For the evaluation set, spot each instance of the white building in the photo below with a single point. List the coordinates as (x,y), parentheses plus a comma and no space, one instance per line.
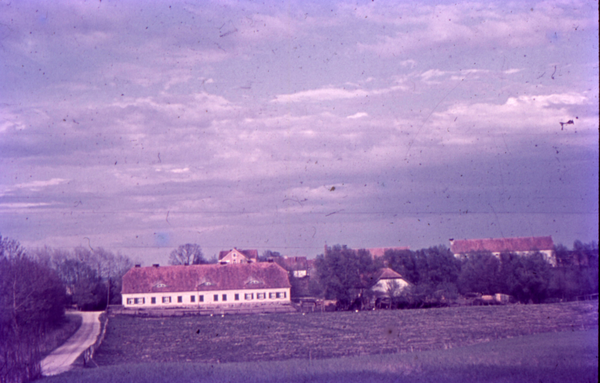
(389,281)
(203,285)
(238,256)
(497,246)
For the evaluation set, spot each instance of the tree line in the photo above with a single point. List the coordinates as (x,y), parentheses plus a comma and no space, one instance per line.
(35,288)
(436,277)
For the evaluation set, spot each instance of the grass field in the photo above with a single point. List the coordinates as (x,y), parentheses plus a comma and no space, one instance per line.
(569,356)
(248,338)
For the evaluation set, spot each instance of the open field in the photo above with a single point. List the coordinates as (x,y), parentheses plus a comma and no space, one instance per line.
(248,338)
(569,356)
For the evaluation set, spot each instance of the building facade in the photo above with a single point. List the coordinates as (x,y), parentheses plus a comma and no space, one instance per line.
(238,256)
(497,246)
(388,282)
(205,285)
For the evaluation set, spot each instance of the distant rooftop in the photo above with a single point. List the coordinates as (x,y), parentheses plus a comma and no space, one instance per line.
(499,245)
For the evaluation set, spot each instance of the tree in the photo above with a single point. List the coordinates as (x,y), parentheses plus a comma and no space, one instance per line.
(480,273)
(340,273)
(403,262)
(188,254)
(32,300)
(526,277)
(268,254)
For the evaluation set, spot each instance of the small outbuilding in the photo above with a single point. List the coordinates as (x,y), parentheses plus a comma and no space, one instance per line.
(389,281)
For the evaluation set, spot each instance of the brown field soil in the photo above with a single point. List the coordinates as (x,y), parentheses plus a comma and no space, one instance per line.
(245,338)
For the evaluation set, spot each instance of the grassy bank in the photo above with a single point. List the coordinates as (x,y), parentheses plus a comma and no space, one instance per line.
(57,337)
(570,356)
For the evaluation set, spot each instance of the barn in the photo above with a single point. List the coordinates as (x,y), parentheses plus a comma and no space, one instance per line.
(497,246)
(389,281)
(192,286)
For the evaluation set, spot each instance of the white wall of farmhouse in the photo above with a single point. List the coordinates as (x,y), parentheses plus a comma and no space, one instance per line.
(548,255)
(383,285)
(206,298)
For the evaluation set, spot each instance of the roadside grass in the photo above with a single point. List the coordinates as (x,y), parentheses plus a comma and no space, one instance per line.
(57,337)
(272,337)
(569,356)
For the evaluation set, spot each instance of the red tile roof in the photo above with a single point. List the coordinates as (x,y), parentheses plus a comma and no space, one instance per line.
(250,254)
(387,273)
(241,276)
(498,245)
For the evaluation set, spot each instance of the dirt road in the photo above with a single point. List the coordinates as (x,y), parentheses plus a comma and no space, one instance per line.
(60,360)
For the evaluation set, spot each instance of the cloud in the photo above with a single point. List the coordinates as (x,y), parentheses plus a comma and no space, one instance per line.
(317,95)
(467,24)
(35,186)
(358,115)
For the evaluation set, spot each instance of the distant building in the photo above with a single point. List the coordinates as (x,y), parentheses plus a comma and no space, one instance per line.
(297,266)
(205,285)
(387,281)
(238,256)
(497,246)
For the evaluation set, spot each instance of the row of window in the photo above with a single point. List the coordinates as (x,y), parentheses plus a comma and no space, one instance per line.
(223,297)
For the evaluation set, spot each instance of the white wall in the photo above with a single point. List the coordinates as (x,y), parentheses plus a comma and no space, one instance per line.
(383,285)
(208,298)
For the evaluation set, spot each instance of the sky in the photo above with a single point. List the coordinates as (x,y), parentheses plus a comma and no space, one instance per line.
(140,126)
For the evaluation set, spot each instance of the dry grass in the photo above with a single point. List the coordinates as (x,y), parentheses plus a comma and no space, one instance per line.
(273,337)
(57,337)
(569,356)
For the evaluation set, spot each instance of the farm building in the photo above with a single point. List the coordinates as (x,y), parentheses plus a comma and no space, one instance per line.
(203,285)
(297,266)
(497,246)
(387,281)
(238,256)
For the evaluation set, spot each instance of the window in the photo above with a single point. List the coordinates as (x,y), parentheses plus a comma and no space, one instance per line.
(166,299)
(261,295)
(129,301)
(271,295)
(224,297)
(201,298)
(249,296)
(153,300)
(236,297)
(192,298)
(216,297)
(179,299)
(139,301)
(281,295)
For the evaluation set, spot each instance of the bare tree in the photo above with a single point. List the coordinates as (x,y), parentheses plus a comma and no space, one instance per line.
(32,300)
(188,254)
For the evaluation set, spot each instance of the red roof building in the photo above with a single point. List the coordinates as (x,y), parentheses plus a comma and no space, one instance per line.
(197,285)
(497,246)
(238,256)
(389,282)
